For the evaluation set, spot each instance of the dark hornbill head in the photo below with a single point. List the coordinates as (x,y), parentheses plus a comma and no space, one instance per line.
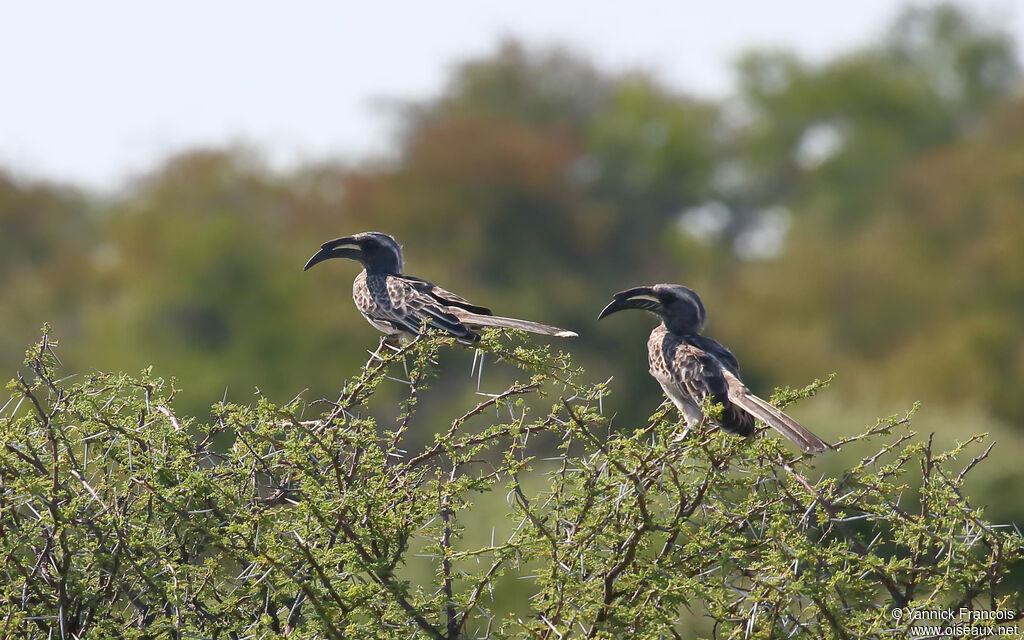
(679,307)
(377,252)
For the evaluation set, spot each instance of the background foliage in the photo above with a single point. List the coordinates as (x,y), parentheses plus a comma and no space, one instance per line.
(859,215)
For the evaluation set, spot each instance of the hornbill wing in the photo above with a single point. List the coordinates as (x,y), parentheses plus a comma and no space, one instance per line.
(740,396)
(411,307)
(708,368)
(700,375)
(477,316)
(716,349)
(443,296)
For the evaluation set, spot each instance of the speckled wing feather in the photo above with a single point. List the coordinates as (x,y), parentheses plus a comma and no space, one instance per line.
(701,375)
(695,368)
(691,375)
(477,317)
(409,303)
(391,302)
(444,296)
(744,406)
(400,303)
(716,349)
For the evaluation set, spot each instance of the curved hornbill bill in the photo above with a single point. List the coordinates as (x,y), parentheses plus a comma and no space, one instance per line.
(692,368)
(395,303)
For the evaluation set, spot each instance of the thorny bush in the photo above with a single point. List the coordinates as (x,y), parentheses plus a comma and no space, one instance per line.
(119,519)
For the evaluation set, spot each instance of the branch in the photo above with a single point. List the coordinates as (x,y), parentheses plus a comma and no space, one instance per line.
(851,538)
(439,447)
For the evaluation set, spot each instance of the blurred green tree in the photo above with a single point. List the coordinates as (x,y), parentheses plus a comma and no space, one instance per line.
(853,216)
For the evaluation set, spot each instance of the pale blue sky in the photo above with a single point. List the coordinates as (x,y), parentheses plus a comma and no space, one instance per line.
(92,92)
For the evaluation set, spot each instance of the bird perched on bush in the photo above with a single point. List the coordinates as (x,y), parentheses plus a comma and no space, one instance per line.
(693,369)
(395,303)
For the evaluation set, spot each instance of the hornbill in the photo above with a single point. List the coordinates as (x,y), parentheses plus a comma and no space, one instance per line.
(692,368)
(395,303)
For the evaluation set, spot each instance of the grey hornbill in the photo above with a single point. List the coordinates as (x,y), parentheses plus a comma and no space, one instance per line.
(692,368)
(396,303)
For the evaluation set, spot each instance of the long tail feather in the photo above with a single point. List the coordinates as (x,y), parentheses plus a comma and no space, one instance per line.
(476,320)
(779,421)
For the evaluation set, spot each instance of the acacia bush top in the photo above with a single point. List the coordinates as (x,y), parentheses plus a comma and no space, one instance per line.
(120,519)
